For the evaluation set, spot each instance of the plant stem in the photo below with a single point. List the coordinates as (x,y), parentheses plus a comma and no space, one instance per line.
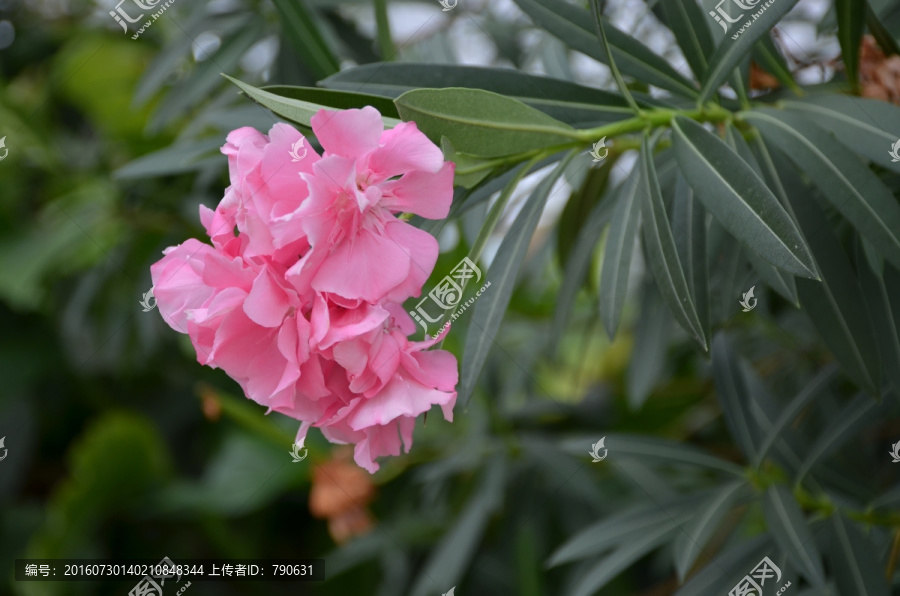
(383,28)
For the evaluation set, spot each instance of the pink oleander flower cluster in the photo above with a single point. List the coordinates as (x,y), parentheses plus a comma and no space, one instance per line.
(299,297)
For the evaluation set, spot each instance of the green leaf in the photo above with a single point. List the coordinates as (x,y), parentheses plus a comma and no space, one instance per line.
(810,392)
(851,20)
(739,199)
(869,127)
(490,308)
(448,560)
(304,34)
(882,36)
(690,26)
(736,44)
(175,159)
(581,202)
(651,341)
(617,530)
(840,177)
(855,560)
(480,122)
(470,169)
(577,266)
(788,526)
(662,255)
(845,426)
(295,110)
(564,100)
(643,446)
(342,100)
(880,293)
(689,230)
(624,556)
(697,532)
(617,254)
(205,76)
(732,390)
(572,25)
(770,59)
(833,305)
(727,568)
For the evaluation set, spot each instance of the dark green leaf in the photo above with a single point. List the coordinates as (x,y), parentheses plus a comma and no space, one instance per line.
(617,254)
(619,530)
(490,308)
(834,304)
(563,100)
(848,184)
(736,44)
(806,396)
(691,29)
(651,341)
(689,229)
(295,110)
(577,265)
(649,447)
(869,127)
(884,312)
(732,390)
(342,100)
(770,59)
(662,256)
(787,524)
(480,122)
(697,532)
(449,559)
(855,561)
(304,33)
(728,568)
(845,426)
(851,20)
(205,76)
(573,25)
(739,199)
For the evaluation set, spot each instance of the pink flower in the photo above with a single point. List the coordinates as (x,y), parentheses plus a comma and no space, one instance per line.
(266,191)
(360,250)
(299,298)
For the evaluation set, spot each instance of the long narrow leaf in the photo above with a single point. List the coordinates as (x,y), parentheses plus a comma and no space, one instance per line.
(788,525)
(741,34)
(739,199)
(617,254)
(662,255)
(489,310)
(572,25)
(848,184)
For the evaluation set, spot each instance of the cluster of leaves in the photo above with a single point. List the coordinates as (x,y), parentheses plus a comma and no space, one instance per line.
(731,436)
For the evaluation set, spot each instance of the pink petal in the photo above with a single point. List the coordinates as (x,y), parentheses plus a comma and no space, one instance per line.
(366,266)
(423,193)
(404,148)
(350,133)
